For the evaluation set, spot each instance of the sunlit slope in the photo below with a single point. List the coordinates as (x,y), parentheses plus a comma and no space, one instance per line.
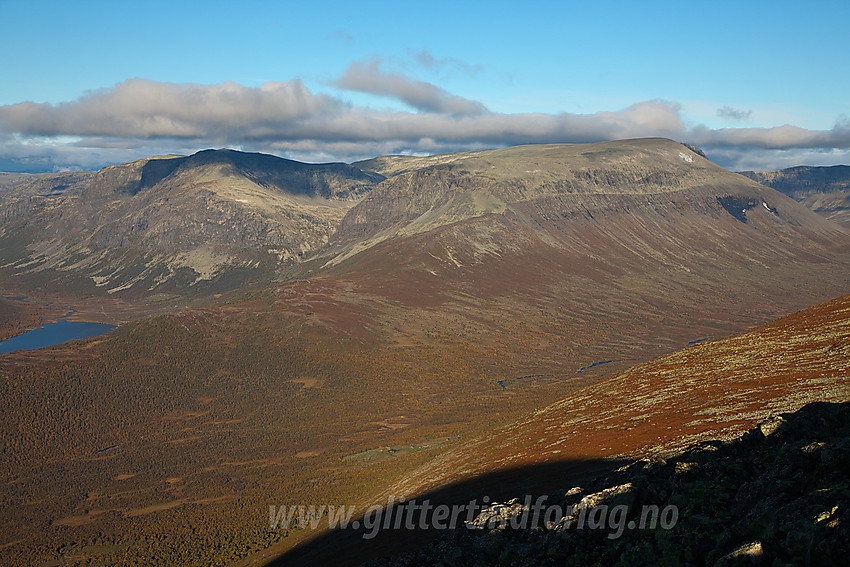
(711,389)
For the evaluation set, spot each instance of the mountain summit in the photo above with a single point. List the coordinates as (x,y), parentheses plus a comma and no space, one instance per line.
(543,186)
(169,223)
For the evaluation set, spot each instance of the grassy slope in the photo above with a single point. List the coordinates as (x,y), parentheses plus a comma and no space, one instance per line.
(711,390)
(708,389)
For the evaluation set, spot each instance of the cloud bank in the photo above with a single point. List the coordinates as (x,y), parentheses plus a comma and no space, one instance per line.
(140,117)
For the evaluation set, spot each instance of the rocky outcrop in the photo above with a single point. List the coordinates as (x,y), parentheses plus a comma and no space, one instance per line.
(24,195)
(779,494)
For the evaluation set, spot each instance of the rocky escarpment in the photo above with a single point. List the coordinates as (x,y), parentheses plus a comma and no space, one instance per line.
(777,495)
(825,190)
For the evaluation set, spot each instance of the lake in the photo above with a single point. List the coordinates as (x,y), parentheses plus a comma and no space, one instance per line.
(53,334)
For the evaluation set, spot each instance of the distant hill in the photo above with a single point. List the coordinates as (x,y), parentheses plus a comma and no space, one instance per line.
(541,186)
(208,223)
(825,190)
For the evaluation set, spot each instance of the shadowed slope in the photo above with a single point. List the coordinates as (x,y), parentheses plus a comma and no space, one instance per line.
(777,495)
(415,529)
(711,390)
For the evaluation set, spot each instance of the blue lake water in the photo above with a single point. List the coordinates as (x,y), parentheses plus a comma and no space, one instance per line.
(53,334)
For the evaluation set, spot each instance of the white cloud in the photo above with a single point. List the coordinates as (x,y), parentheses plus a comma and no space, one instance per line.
(139,108)
(760,159)
(426,97)
(142,117)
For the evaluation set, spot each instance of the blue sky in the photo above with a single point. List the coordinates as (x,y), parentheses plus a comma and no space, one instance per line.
(757,84)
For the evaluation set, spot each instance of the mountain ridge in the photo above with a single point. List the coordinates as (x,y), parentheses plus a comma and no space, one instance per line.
(568,180)
(286,211)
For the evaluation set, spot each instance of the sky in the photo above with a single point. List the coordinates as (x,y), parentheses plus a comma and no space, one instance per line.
(756,85)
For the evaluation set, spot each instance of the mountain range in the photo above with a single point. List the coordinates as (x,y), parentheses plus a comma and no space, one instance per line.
(299,333)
